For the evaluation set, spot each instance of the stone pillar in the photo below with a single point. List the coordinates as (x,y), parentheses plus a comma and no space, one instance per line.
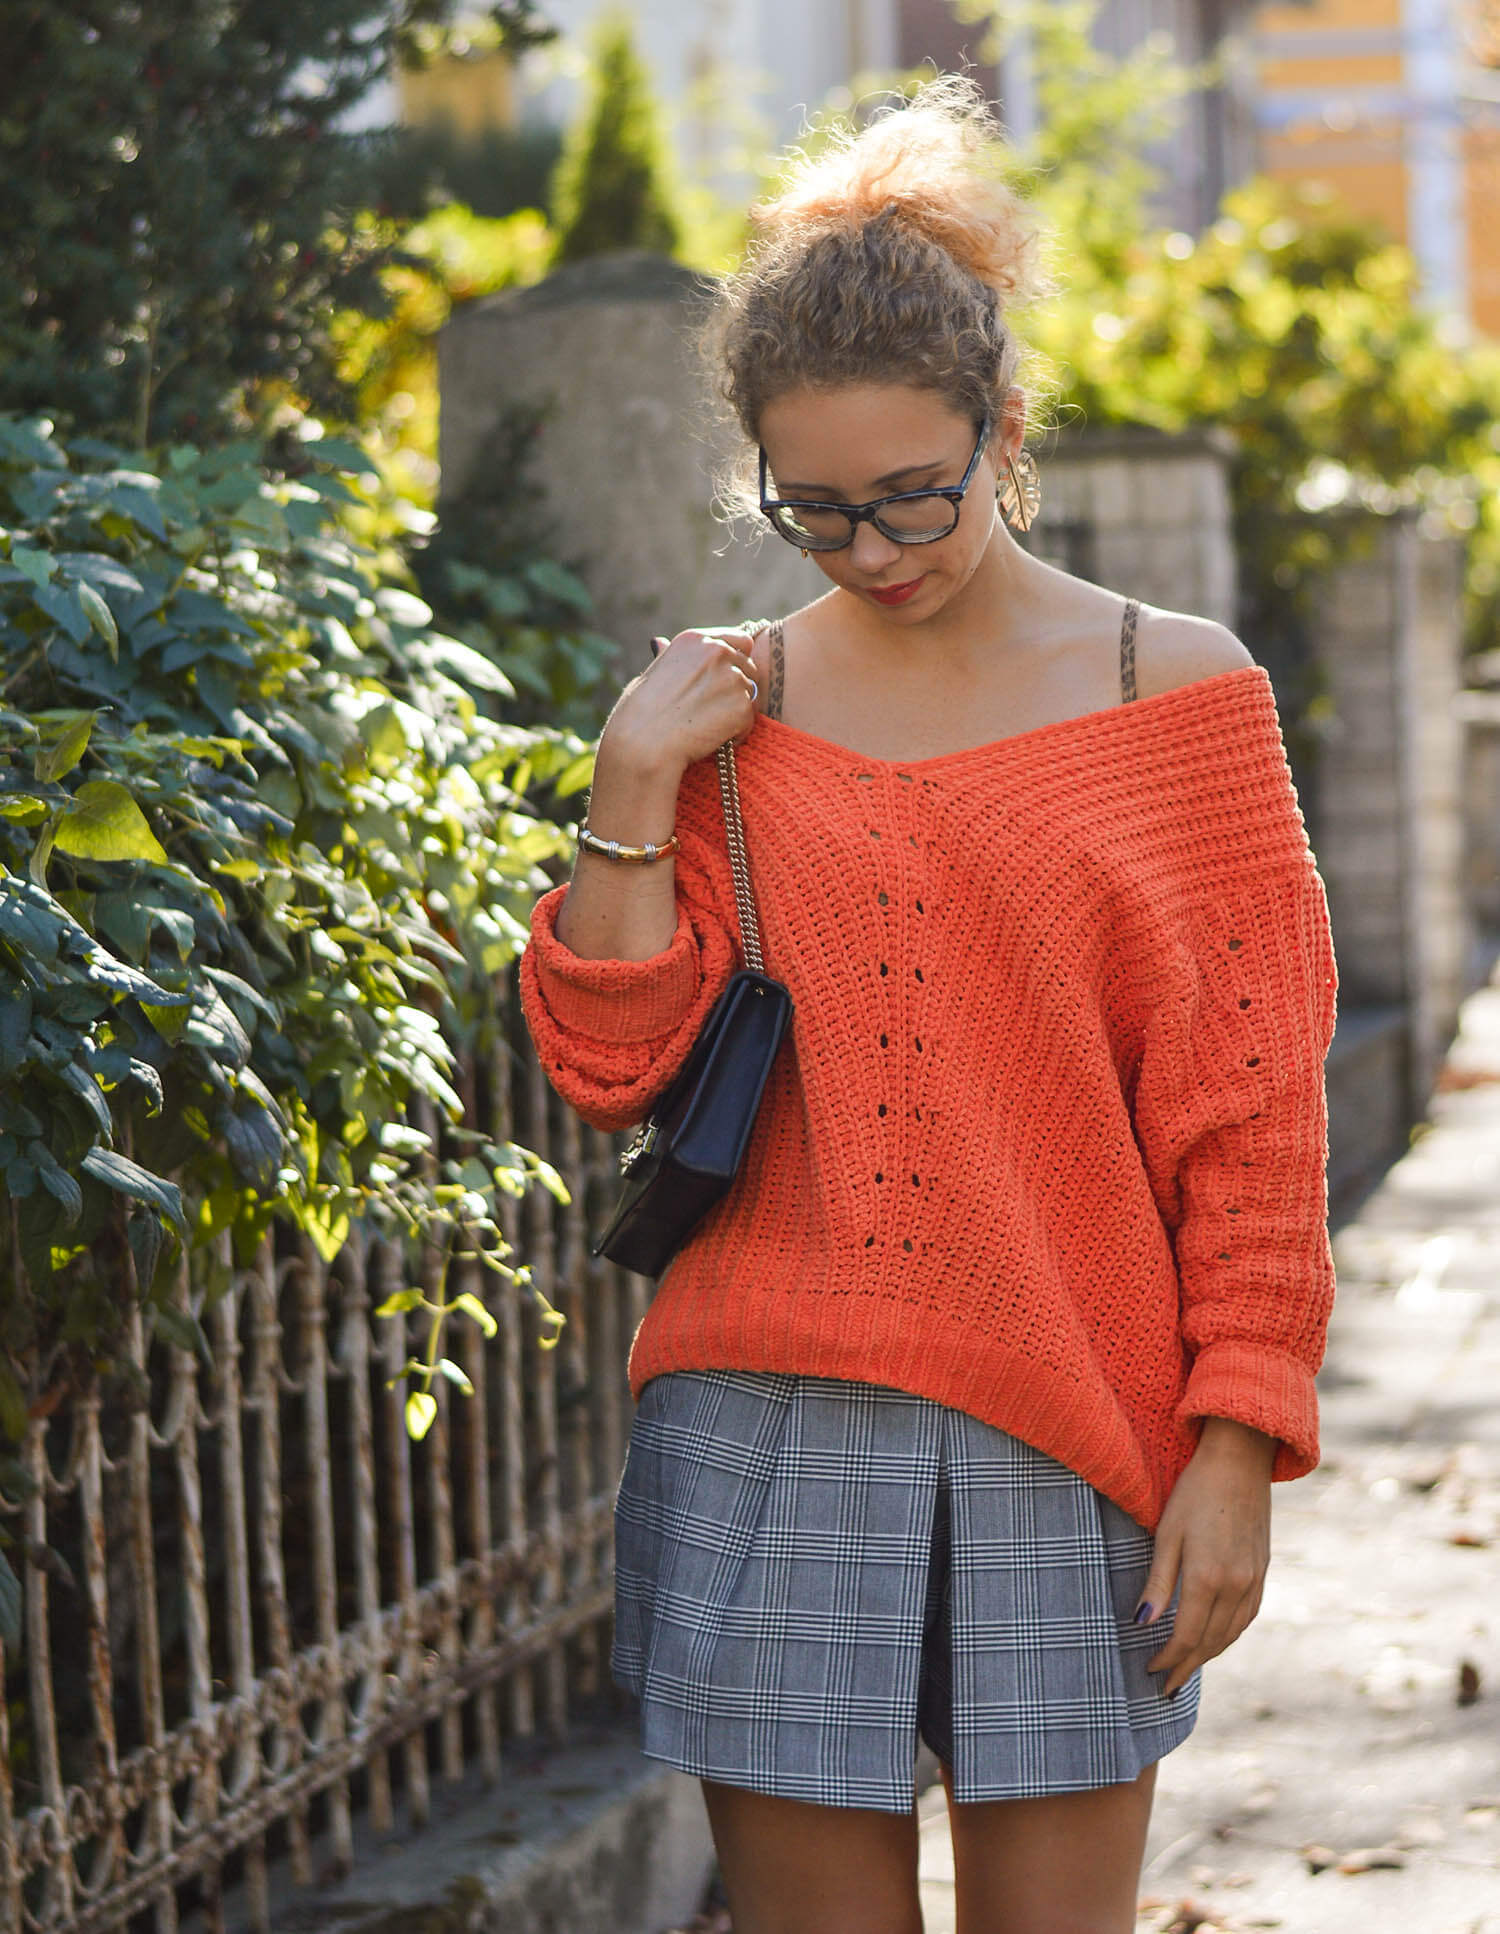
(1391,839)
(623,460)
(1147,514)
(1480,711)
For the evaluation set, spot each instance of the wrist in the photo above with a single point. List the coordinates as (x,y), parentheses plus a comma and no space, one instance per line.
(1227,1437)
(629,801)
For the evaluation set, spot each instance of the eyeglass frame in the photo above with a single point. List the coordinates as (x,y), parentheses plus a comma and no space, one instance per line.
(858,514)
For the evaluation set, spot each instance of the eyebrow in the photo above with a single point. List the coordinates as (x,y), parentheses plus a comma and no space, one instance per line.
(881,483)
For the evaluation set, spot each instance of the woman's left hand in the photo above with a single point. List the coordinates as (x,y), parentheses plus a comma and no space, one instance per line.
(1216,1533)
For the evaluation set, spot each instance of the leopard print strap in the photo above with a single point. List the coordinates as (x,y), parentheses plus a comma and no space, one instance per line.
(778,672)
(1127,651)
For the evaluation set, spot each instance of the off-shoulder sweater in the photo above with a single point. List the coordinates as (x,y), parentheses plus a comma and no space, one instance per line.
(1047,1141)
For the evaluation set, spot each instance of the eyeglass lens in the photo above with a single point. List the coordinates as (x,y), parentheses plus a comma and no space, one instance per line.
(914,520)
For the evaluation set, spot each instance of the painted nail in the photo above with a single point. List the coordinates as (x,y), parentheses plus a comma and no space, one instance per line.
(1143,1611)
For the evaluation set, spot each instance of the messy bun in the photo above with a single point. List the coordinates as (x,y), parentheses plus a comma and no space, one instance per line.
(891,255)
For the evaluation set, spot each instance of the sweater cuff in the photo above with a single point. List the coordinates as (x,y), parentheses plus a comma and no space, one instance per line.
(613,1000)
(1264,1388)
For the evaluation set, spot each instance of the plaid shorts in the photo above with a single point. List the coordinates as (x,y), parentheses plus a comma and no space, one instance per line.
(811,1572)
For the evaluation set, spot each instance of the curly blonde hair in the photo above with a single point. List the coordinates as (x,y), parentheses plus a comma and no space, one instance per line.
(889,256)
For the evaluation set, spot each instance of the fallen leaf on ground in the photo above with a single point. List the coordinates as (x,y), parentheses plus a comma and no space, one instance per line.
(1317,1857)
(1191,1917)
(1363,1860)
(1468,1539)
(1468,1682)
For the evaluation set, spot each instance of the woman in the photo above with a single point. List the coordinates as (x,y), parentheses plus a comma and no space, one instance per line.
(958,1417)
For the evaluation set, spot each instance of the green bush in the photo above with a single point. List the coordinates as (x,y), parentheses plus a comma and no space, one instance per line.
(176,195)
(262,852)
(1291,324)
(611,188)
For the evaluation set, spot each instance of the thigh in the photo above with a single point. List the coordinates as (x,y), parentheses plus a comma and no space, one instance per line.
(1068,1863)
(793,1867)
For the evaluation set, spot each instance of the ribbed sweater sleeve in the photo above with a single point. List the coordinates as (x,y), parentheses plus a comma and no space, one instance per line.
(1231,1114)
(612,1033)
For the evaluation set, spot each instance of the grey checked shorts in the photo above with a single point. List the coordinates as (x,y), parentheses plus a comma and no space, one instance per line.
(810,1572)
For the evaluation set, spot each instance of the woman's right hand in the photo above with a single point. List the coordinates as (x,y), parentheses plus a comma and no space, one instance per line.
(699,691)
(694,695)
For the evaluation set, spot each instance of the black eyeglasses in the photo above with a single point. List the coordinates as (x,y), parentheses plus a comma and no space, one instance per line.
(910,517)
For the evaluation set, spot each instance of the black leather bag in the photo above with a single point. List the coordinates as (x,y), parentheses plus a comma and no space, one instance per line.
(685,1155)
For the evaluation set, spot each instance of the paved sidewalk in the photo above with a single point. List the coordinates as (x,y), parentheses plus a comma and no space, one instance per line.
(1344,1775)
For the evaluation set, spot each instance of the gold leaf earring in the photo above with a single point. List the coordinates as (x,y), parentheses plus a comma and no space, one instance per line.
(1020,493)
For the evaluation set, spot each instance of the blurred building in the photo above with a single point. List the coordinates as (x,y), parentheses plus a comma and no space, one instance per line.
(1390,103)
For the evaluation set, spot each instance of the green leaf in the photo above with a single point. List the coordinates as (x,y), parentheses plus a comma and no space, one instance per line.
(10,1607)
(339,454)
(100,616)
(65,607)
(36,565)
(117,1171)
(51,762)
(15,1027)
(254,1144)
(449,1369)
(57,1181)
(146,1242)
(462,662)
(181,1328)
(41,855)
(13,1413)
(554,582)
(105,823)
(399,1302)
(575,775)
(30,920)
(327,1229)
(23,808)
(470,1304)
(421,1412)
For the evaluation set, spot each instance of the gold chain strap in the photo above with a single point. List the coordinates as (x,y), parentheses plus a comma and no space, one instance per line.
(739,861)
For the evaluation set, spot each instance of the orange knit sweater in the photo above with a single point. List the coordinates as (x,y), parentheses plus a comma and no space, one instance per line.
(1048,1141)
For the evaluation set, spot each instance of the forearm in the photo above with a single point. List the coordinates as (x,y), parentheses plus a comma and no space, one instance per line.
(614,910)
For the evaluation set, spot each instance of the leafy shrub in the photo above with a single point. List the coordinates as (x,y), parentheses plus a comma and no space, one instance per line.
(175,193)
(262,851)
(611,188)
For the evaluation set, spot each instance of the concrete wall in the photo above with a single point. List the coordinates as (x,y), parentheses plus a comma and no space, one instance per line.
(1480,712)
(622,464)
(1391,818)
(1146,514)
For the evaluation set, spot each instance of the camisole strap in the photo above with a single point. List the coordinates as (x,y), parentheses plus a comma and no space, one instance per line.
(778,672)
(1127,651)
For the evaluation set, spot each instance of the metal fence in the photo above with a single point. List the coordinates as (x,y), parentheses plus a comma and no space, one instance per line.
(254,1608)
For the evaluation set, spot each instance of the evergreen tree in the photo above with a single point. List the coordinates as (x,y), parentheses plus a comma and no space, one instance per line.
(176,197)
(611,189)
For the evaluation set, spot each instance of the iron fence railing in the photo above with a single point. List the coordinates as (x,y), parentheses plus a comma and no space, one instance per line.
(254,1608)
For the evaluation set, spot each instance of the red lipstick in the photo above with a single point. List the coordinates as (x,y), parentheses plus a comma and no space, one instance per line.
(895,593)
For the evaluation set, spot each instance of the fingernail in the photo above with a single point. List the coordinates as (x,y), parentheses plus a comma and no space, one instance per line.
(1143,1612)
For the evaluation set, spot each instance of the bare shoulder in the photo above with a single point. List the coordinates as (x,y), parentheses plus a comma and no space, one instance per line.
(1174,648)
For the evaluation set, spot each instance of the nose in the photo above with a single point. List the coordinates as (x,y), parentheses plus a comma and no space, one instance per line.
(871,551)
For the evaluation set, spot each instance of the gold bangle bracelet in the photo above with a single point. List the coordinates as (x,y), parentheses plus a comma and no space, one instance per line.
(611,849)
